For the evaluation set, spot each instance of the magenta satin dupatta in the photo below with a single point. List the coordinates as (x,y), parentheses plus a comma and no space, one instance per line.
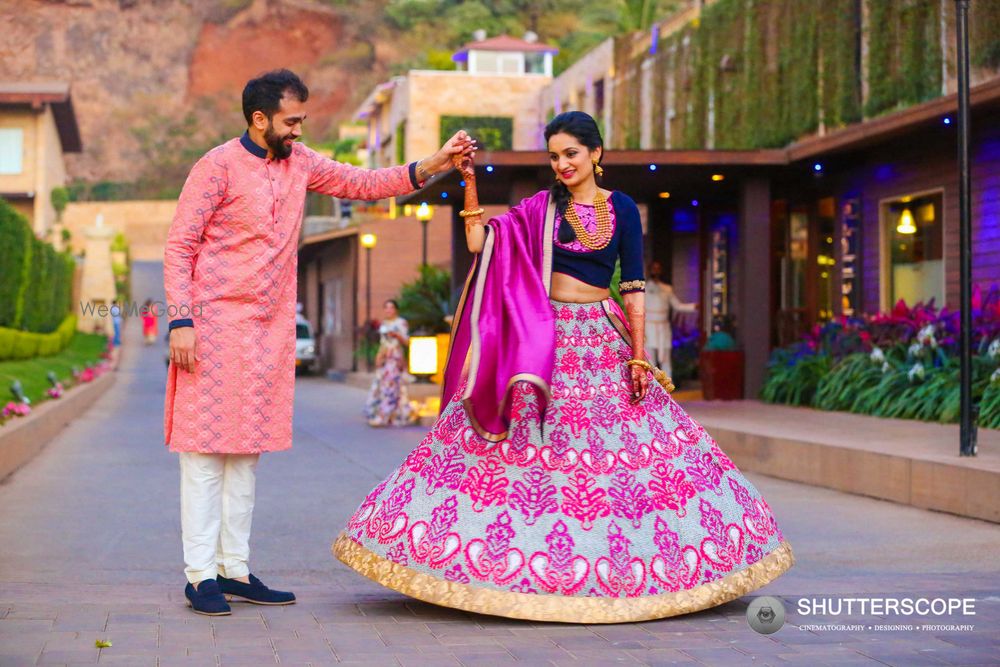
(504,329)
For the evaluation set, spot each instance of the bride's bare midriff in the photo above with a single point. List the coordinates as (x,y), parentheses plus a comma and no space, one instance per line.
(568,289)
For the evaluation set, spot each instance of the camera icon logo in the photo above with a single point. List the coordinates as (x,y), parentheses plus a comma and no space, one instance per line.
(766,615)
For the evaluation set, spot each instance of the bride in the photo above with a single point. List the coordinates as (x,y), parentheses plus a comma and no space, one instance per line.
(561,482)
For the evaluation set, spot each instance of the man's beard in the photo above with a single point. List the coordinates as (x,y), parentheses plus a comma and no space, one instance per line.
(276,143)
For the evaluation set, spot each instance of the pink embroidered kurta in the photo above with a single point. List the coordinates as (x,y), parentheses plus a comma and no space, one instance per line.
(230,265)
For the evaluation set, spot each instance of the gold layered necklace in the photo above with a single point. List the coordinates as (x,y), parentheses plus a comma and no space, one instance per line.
(602,235)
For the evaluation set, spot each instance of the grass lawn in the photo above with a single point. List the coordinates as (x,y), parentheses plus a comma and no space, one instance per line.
(83,349)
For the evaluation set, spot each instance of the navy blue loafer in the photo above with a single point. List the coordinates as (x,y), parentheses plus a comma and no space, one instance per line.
(207,599)
(255,592)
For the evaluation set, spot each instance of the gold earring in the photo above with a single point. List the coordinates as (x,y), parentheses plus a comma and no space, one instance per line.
(598,169)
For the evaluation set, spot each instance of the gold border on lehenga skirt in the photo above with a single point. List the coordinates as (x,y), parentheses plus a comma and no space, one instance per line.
(561,608)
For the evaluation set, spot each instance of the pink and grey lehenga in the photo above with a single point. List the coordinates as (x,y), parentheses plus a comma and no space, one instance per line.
(543,492)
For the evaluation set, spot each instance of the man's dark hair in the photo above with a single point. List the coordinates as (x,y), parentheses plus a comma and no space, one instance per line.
(265,92)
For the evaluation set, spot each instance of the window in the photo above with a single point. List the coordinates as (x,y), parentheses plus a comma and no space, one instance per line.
(534,63)
(913,250)
(599,105)
(496,62)
(796,260)
(11,150)
(486,62)
(511,63)
(826,262)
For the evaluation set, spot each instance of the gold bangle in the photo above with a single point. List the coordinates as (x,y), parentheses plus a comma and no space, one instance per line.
(641,363)
(658,374)
(632,285)
(469,214)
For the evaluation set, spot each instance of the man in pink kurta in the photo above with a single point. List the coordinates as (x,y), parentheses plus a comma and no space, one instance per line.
(230,278)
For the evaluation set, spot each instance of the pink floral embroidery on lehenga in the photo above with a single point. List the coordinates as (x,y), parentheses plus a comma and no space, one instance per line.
(594,496)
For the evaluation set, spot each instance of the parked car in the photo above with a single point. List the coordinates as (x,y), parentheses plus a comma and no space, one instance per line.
(305,347)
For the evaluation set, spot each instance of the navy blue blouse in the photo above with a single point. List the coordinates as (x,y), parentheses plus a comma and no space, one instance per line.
(595,267)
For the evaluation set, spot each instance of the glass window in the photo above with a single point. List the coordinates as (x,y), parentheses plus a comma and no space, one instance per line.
(510,64)
(914,230)
(534,63)
(850,244)
(11,150)
(825,258)
(487,62)
(797,259)
(302,331)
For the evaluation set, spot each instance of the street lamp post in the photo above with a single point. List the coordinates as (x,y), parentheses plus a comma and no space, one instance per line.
(368,242)
(967,437)
(424,215)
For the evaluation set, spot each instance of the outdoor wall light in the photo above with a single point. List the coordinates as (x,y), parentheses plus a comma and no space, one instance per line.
(664,195)
(368,241)
(947,120)
(817,167)
(489,168)
(906,225)
(423,355)
(694,202)
(444,195)
(652,167)
(424,212)
(718,177)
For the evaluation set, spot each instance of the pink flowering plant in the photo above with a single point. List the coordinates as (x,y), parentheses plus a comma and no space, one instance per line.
(902,364)
(14,409)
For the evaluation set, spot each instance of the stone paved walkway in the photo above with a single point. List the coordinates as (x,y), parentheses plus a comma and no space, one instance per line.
(90,549)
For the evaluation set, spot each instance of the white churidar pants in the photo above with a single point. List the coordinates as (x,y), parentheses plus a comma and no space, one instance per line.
(217,495)
(659,342)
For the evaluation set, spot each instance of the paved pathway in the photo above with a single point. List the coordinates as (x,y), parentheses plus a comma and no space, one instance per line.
(90,549)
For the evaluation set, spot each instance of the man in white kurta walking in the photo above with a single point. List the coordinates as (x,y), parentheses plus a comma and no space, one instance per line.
(661,303)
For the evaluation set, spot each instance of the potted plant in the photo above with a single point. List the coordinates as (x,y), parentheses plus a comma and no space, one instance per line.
(720,364)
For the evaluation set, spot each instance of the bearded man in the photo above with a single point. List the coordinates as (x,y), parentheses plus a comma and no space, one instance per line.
(230,278)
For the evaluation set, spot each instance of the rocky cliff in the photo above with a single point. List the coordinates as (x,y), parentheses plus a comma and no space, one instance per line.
(155,82)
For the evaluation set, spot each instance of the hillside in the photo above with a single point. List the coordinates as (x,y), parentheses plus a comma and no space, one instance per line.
(157,82)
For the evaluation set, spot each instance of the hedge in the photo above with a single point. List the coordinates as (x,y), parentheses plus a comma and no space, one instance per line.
(36,281)
(16,344)
(768,72)
(493,133)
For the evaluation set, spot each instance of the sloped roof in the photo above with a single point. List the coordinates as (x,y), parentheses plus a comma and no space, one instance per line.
(37,95)
(503,43)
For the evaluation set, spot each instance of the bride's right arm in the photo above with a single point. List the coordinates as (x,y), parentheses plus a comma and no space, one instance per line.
(475,236)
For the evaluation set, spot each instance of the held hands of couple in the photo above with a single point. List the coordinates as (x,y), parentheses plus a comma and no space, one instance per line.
(460,144)
(182,348)
(472,213)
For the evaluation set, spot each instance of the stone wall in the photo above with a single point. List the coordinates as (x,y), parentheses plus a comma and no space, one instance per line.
(144,223)
(433,94)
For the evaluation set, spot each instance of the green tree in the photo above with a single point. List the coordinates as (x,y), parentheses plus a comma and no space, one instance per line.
(424,303)
(635,15)
(59,197)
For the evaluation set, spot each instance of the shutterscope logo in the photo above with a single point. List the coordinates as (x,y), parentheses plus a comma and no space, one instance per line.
(886,606)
